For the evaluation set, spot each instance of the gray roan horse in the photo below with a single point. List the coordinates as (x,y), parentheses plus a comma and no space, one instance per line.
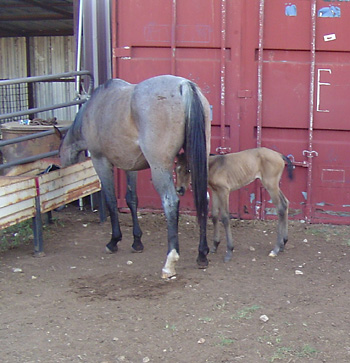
(135,127)
(233,171)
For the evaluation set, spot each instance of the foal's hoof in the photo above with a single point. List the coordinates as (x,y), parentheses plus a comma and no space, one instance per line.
(228,256)
(273,254)
(214,247)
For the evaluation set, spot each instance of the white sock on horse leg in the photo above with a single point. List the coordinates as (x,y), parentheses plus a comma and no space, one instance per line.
(169,267)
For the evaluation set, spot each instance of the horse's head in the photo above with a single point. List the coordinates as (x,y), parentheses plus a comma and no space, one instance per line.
(62,150)
(69,149)
(183,175)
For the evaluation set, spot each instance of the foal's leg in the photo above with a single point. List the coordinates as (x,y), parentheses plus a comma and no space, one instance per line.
(163,182)
(105,171)
(281,203)
(225,217)
(215,211)
(132,202)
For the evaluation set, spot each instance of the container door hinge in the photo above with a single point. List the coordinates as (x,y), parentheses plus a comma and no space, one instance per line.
(310,154)
(223,150)
(122,52)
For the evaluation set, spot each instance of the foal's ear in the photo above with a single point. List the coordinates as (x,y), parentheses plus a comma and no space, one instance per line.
(58,132)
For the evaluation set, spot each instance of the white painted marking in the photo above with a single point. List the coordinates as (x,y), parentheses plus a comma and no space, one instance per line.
(319,84)
(329,37)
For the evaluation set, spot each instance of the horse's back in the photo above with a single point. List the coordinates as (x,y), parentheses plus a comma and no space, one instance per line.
(158,109)
(109,102)
(158,101)
(137,125)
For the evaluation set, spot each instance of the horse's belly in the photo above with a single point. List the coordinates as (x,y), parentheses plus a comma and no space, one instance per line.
(127,161)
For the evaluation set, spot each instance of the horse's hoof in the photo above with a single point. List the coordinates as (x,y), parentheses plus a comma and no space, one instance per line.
(228,257)
(214,247)
(111,249)
(136,251)
(202,262)
(273,254)
(168,270)
(137,247)
(108,250)
(167,273)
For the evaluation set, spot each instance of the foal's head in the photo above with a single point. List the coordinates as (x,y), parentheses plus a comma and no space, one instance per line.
(183,175)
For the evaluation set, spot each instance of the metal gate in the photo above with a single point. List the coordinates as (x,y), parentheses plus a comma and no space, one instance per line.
(275,73)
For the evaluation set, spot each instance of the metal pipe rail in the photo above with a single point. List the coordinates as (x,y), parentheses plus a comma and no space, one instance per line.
(41,109)
(47,78)
(80,100)
(50,77)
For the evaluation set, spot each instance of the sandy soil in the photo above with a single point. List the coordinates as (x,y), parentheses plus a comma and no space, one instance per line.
(79,304)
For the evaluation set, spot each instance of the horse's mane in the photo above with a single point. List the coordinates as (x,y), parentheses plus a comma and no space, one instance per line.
(76,126)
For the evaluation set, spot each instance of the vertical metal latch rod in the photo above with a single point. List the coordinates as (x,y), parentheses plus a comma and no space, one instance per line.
(260,72)
(173,38)
(311,152)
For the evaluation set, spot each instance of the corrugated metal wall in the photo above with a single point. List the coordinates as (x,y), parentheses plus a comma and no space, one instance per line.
(51,55)
(13,58)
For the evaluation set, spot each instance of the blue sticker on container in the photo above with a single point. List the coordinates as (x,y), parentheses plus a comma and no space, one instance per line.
(291,10)
(329,12)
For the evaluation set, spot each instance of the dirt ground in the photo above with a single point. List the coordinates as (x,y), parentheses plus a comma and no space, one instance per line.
(79,304)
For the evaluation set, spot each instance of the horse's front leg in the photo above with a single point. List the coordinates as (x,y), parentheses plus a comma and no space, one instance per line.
(105,171)
(132,202)
(163,182)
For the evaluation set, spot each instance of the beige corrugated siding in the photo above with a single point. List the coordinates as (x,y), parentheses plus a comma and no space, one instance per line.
(12,58)
(53,55)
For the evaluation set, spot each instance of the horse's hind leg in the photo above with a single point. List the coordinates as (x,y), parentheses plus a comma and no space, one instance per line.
(163,182)
(220,206)
(281,203)
(132,202)
(104,170)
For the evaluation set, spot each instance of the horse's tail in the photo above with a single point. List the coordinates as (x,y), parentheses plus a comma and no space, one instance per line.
(290,167)
(195,147)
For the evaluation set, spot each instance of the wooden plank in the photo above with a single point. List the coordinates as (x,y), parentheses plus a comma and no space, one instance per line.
(72,195)
(67,185)
(17,200)
(59,187)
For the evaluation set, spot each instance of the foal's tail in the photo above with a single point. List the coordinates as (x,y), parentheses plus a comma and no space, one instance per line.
(290,167)
(196,149)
